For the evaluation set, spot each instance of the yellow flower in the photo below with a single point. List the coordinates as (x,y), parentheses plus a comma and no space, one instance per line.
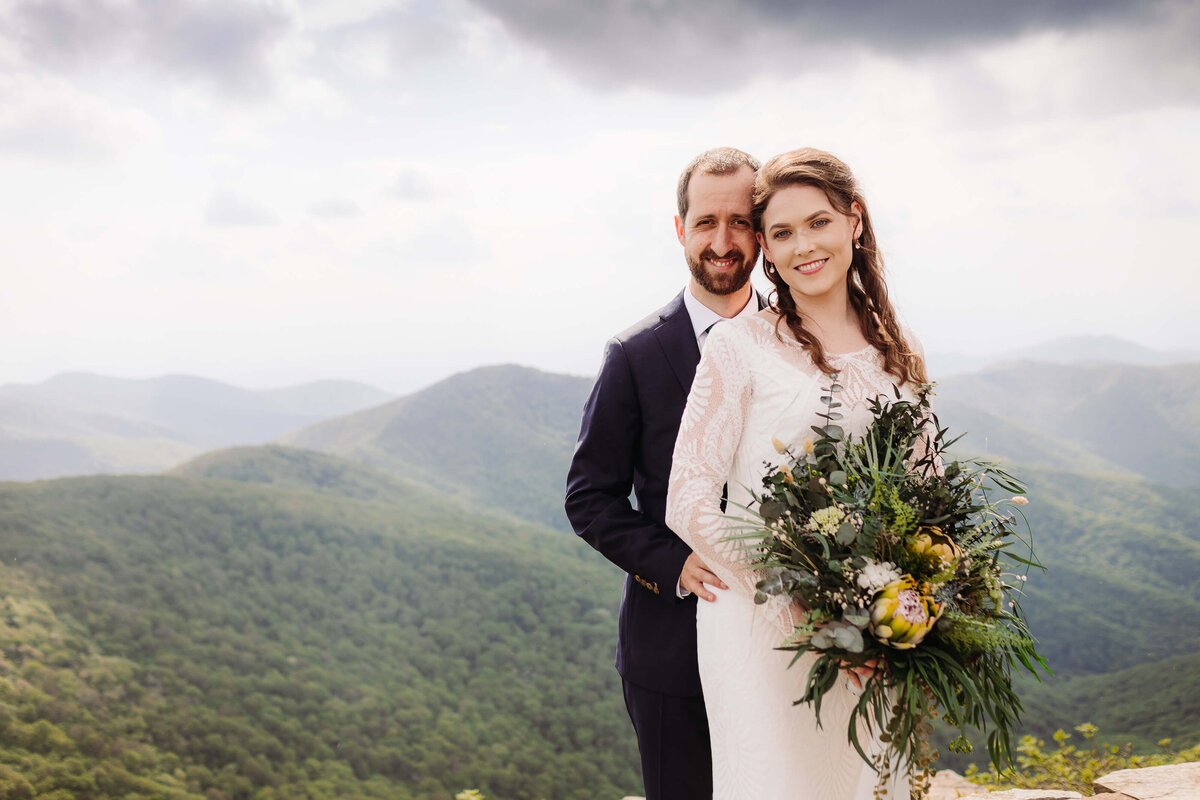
(901,616)
(930,542)
(1020,500)
(786,472)
(779,446)
(808,445)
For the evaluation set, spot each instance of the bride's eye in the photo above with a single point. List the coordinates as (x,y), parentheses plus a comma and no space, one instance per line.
(779,235)
(821,223)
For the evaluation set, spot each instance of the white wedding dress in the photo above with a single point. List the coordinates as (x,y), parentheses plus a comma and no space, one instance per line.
(750,387)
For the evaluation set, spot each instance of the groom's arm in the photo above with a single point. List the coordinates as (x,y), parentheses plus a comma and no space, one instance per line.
(601,478)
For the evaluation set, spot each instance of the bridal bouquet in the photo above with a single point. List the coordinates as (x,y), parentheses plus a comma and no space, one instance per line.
(903,557)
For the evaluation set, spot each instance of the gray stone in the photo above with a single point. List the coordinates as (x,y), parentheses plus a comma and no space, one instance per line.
(949,785)
(1171,782)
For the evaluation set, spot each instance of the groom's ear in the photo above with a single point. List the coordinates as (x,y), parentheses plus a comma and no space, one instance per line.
(679,230)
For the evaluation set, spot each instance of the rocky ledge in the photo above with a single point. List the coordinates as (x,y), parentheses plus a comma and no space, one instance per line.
(1172,782)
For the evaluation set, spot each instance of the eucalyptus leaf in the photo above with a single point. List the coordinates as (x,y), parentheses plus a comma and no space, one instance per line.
(771,510)
(837,477)
(771,583)
(858,617)
(838,634)
(845,534)
(835,432)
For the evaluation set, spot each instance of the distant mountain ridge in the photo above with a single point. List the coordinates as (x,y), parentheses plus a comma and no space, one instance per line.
(1101,417)
(1063,350)
(79,423)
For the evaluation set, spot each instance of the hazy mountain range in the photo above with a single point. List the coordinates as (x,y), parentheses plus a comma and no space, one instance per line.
(396,611)
(77,423)
(1064,350)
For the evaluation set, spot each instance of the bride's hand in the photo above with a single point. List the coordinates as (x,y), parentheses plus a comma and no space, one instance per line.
(857,676)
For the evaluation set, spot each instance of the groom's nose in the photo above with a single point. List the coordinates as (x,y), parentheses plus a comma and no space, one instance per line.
(723,240)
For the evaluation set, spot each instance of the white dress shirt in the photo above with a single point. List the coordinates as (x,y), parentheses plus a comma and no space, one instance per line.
(703,317)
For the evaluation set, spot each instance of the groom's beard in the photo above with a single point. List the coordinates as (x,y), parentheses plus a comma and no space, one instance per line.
(722,283)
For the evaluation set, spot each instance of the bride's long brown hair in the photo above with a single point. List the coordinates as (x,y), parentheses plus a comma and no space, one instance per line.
(868,291)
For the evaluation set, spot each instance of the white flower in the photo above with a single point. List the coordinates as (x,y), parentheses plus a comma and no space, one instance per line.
(826,521)
(876,575)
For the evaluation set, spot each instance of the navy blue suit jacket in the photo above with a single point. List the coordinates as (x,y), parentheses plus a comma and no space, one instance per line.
(630,422)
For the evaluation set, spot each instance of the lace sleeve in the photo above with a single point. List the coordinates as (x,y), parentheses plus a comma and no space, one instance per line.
(704,452)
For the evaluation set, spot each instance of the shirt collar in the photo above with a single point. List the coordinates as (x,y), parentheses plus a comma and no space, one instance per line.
(704,317)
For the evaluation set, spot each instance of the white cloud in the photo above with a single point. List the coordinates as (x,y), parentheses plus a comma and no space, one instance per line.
(46,118)
(226,209)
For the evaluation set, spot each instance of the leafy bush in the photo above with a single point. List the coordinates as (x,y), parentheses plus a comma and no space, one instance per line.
(1074,768)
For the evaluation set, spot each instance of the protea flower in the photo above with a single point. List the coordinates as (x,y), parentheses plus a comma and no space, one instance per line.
(930,542)
(901,616)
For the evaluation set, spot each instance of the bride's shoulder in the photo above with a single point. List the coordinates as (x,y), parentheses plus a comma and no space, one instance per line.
(749,330)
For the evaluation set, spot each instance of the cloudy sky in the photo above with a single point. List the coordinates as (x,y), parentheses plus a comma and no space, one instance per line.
(273,192)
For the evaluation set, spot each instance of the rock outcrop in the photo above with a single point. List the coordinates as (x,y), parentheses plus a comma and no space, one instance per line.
(1171,782)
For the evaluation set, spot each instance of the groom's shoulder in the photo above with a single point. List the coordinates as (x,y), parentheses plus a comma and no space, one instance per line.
(642,330)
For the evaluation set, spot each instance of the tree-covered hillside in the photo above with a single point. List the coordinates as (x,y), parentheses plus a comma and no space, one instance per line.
(499,436)
(170,635)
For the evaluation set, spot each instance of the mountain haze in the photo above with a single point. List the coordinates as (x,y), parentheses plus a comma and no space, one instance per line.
(1064,350)
(1144,420)
(77,423)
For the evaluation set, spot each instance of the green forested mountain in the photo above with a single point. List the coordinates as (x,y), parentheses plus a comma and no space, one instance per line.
(170,636)
(271,622)
(1122,585)
(499,436)
(307,470)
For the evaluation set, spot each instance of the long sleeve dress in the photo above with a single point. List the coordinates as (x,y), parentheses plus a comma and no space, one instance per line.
(752,386)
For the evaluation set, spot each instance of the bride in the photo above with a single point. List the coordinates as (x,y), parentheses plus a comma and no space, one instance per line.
(761,378)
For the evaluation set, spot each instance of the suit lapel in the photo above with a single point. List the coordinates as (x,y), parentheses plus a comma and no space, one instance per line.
(678,341)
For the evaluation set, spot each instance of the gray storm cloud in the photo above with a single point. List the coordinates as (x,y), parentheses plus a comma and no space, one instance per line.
(226,41)
(694,46)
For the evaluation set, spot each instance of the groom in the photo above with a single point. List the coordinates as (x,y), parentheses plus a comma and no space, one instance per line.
(630,422)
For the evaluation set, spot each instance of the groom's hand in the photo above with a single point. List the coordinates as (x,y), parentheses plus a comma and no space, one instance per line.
(695,574)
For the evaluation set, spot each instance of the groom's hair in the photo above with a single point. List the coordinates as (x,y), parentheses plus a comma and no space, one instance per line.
(718,161)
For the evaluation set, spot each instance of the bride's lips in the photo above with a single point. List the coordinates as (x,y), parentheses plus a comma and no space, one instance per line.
(810,267)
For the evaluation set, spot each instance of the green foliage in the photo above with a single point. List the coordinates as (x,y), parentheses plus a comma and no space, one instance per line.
(171,637)
(1074,768)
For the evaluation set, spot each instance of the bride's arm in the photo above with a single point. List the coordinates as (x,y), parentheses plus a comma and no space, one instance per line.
(709,435)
